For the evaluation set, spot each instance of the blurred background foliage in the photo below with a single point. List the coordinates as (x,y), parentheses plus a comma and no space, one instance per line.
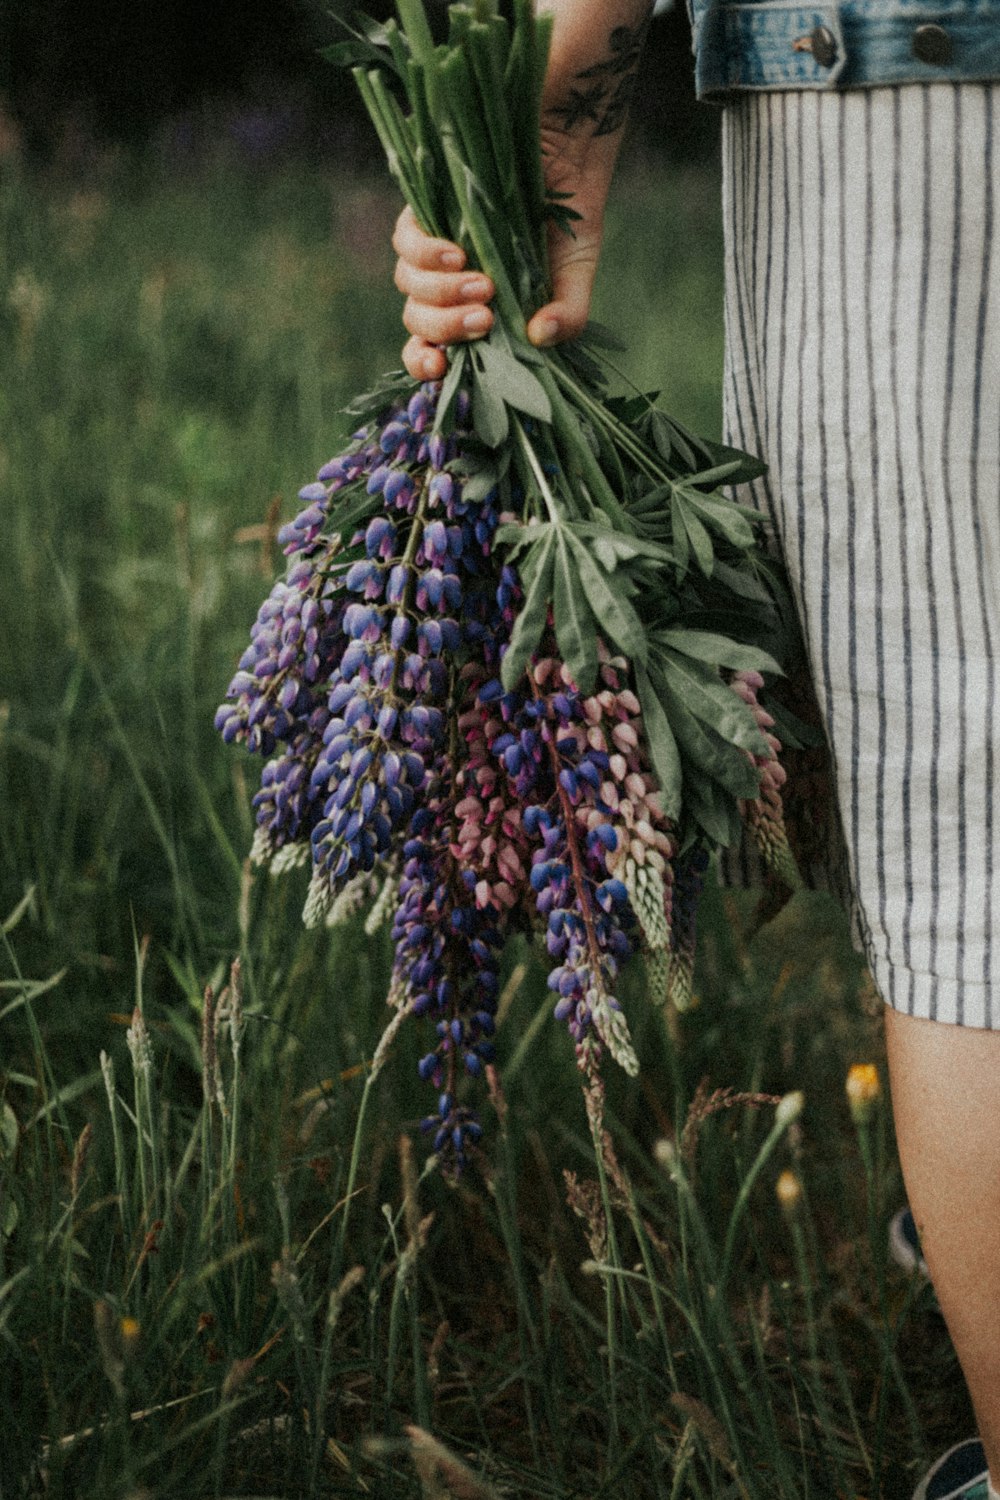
(128,73)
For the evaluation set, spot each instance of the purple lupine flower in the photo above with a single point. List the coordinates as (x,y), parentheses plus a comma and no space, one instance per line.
(447,963)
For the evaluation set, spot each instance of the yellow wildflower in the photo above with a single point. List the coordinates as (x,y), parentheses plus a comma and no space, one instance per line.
(863,1089)
(788,1190)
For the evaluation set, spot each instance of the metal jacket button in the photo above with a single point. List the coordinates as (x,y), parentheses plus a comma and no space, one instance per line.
(821,43)
(824,48)
(932,44)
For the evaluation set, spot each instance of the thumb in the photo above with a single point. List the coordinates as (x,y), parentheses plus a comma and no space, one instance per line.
(566,315)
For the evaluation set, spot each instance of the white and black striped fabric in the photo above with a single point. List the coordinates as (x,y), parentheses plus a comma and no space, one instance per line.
(863,363)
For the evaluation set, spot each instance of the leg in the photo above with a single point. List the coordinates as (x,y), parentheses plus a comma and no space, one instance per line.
(945,1092)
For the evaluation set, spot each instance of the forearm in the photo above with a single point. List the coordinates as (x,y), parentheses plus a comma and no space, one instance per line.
(593,66)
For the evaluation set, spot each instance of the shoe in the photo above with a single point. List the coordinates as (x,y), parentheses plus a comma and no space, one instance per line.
(904,1243)
(961,1474)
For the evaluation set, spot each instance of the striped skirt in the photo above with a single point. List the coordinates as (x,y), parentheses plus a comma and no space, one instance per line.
(863,363)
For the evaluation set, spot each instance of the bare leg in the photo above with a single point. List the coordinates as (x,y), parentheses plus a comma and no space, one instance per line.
(946,1102)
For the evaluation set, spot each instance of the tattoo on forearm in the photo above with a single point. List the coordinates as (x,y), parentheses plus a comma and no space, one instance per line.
(607,87)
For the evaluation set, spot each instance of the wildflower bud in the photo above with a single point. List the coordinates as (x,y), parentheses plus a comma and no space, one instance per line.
(665,1153)
(788,1190)
(789,1108)
(863,1089)
(130,1334)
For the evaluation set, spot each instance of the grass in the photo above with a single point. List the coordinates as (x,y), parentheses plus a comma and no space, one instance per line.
(213,1281)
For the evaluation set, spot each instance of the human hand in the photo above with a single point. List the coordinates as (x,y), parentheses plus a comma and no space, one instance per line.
(448,304)
(592,66)
(445,302)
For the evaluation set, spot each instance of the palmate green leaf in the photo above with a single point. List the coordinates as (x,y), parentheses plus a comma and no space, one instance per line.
(489,413)
(511,380)
(717,650)
(612,547)
(710,755)
(713,810)
(750,467)
(478,485)
(731,521)
(615,615)
(536,581)
(673,442)
(516,537)
(741,580)
(707,698)
(458,358)
(663,751)
(687,524)
(576,631)
(371,405)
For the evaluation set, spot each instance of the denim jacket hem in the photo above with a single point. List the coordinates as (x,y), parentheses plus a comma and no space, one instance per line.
(774,44)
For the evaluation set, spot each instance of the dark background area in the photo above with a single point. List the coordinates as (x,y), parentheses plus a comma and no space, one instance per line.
(126,70)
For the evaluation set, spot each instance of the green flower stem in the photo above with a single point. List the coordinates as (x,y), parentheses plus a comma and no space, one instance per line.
(481,236)
(352,1175)
(552,506)
(645,1250)
(524,79)
(743,1197)
(823,1410)
(473,129)
(566,425)
(619,433)
(413,19)
(487,67)
(708,1352)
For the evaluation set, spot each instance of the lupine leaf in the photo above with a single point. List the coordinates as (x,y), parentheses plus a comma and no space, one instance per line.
(708,805)
(489,414)
(374,43)
(670,439)
(681,540)
(513,382)
(614,613)
(536,580)
(710,754)
(370,405)
(729,520)
(453,380)
(478,485)
(708,698)
(663,751)
(601,337)
(515,536)
(750,467)
(701,542)
(576,632)
(742,580)
(717,650)
(612,548)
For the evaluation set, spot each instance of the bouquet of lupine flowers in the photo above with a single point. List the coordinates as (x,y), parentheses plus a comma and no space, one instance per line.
(510,679)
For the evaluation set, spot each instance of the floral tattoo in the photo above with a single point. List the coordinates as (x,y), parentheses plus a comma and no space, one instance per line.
(607,86)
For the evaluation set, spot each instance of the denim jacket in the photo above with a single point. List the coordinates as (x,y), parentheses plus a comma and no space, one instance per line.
(836,44)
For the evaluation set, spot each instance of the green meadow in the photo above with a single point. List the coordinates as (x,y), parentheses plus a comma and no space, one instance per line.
(227,1265)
